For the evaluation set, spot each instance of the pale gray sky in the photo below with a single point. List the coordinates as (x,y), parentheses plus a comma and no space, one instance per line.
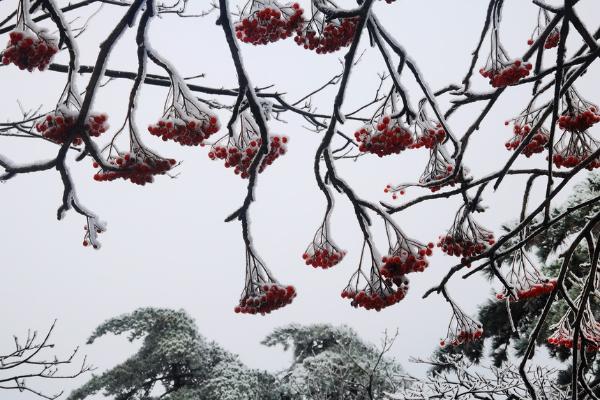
(166,243)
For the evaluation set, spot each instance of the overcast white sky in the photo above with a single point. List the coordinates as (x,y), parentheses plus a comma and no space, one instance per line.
(167,244)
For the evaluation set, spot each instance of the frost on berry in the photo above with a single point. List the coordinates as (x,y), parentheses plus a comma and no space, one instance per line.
(525,279)
(462,328)
(439,167)
(139,167)
(578,114)
(465,238)
(266,21)
(522,126)
(240,150)
(542,22)
(572,148)
(377,291)
(184,120)
(590,331)
(576,144)
(386,136)
(29,49)
(58,125)
(552,39)
(502,72)
(322,252)
(499,68)
(429,133)
(262,293)
(326,36)
(92,229)
(404,256)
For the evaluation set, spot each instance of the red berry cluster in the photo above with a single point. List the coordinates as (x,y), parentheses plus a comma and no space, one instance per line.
(269,24)
(321,252)
(324,257)
(385,138)
(28,51)
(464,247)
(267,298)
(332,35)
(378,292)
(573,148)
(567,342)
(441,175)
(438,167)
(506,75)
(463,336)
(570,160)
(405,257)
(430,138)
(187,132)
(239,156)
(580,121)
(462,328)
(590,330)
(137,169)
(552,40)
(89,238)
(56,127)
(465,238)
(460,247)
(535,145)
(371,298)
(534,290)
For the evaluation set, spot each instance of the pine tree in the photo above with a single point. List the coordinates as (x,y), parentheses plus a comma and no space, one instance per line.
(174,363)
(331,363)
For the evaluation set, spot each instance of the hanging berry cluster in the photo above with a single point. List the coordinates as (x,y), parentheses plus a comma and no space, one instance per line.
(572,148)
(461,329)
(578,114)
(404,256)
(499,68)
(388,136)
(429,133)
(185,131)
(526,279)
(465,238)
(138,167)
(57,127)
(579,121)
(553,37)
(240,151)
(430,137)
(326,37)
(264,22)
(439,167)
(590,331)
(262,293)
(378,292)
(503,74)
(521,128)
(184,120)
(552,40)
(29,50)
(322,252)
(92,230)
